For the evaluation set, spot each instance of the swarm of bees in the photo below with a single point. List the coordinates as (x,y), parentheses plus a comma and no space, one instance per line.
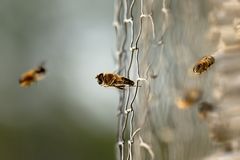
(203,64)
(190,97)
(113,80)
(32,76)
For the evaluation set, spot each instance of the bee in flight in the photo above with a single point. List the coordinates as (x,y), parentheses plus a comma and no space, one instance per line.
(203,64)
(204,109)
(32,76)
(189,98)
(113,80)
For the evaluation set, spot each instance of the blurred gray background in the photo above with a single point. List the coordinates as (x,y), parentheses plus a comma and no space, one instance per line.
(67,116)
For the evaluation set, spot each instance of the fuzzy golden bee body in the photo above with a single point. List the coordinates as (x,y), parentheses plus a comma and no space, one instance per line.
(203,64)
(113,80)
(32,76)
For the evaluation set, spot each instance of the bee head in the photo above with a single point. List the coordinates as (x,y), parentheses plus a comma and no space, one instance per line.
(197,68)
(99,78)
(41,69)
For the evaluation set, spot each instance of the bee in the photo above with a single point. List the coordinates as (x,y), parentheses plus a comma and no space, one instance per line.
(219,133)
(189,98)
(204,109)
(113,80)
(32,76)
(203,64)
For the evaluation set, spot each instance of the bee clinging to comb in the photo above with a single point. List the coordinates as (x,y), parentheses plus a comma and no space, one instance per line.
(32,76)
(203,64)
(113,80)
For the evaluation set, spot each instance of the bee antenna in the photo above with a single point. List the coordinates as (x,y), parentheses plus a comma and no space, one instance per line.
(42,64)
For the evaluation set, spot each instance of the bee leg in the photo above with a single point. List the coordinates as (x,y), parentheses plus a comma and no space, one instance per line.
(105,85)
(137,86)
(120,87)
(112,81)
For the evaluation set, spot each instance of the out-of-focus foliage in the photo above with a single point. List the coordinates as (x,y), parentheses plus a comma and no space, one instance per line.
(57,138)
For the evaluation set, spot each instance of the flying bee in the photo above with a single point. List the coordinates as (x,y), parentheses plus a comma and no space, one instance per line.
(189,98)
(113,80)
(204,109)
(32,76)
(203,64)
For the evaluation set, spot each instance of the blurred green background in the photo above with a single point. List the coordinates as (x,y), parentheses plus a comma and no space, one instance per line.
(67,116)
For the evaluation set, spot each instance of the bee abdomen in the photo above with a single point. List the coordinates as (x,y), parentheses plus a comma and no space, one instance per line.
(128,81)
